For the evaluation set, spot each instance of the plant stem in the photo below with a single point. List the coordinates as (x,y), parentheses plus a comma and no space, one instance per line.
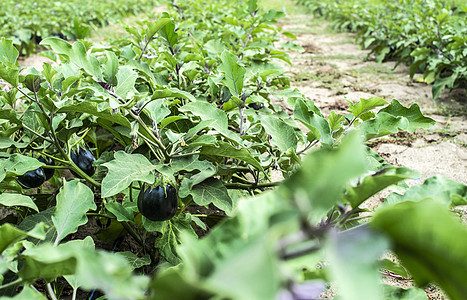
(252,185)
(38,134)
(98,215)
(10,284)
(51,292)
(184,154)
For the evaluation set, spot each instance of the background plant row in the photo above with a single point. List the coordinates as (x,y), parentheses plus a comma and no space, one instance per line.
(28,22)
(428,35)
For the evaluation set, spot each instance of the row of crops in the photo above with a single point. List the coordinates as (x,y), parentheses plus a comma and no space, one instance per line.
(169,141)
(27,22)
(428,35)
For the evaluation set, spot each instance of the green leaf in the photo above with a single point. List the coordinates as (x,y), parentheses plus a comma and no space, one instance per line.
(74,200)
(412,114)
(125,169)
(157,110)
(110,68)
(27,293)
(262,269)
(190,163)
(320,182)
(172,93)
(92,108)
(171,232)
(154,27)
(8,199)
(46,261)
(441,189)
(430,242)
(207,111)
(8,52)
(227,150)
(135,261)
(316,123)
(10,73)
(440,84)
(212,191)
(10,234)
(365,105)
(353,256)
(384,124)
(123,214)
(126,79)
(233,72)
(389,265)
(167,32)
(374,183)
(10,115)
(44,217)
(17,164)
(282,134)
(77,54)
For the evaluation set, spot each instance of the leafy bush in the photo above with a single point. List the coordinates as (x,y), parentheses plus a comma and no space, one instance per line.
(172,103)
(430,36)
(27,22)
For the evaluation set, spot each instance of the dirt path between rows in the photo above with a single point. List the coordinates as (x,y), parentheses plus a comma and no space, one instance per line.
(332,70)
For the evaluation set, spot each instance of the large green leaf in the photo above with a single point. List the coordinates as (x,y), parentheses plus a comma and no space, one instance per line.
(154,27)
(233,73)
(8,199)
(46,261)
(353,256)
(412,114)
(27,293)
(282,134)
(8,52)
(212,191)
(74,200)
(125,169)
(439,188)
(126,79)
(365,105)
(227,150)
(171,232)
(374,183)
(207,111)
(77,54)
(323,176)
(384,124)
(316,123)
(10,73)
(92,108)
(430,242)
(17,164)
(110,68)
(10,234)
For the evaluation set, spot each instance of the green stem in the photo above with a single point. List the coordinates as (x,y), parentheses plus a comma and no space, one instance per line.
(38,134)
(185,154)
(252,185)
(90,214)
(10,284)
(81,138)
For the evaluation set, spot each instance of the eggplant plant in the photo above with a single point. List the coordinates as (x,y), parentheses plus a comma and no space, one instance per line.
(174,155)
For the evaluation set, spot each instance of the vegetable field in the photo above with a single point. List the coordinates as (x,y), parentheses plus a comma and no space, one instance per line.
(232,150)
